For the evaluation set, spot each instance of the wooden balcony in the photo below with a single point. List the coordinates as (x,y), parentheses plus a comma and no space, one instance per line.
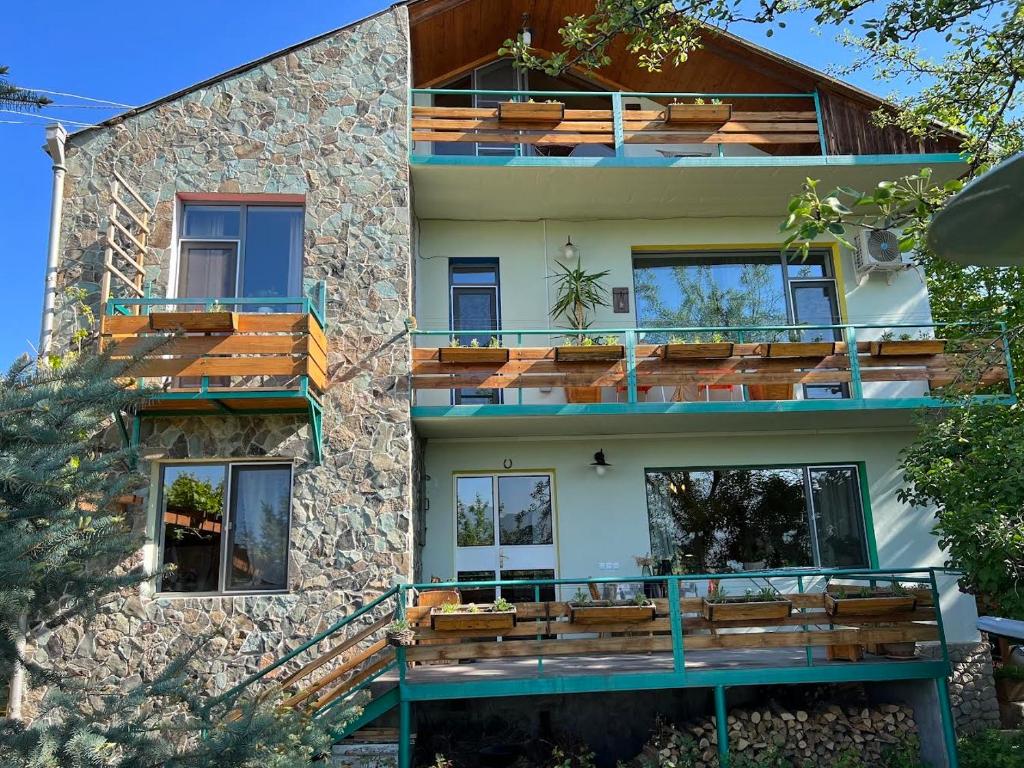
(730,376)
(223,362)
(551,126)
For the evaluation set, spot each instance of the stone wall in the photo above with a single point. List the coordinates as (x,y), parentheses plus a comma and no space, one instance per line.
(327,120)
(972,689)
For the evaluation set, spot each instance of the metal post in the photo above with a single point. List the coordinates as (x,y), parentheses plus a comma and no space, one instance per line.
(807,649)
(721,720)
(856,388)
(619,133)
(676,622)
(822,144)
(631,396)
(948,729)
(540,656)
(404,731)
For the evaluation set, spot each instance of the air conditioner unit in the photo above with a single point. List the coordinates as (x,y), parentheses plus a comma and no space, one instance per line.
(877,250)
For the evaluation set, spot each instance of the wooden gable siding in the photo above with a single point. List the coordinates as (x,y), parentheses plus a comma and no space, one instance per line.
(451,37)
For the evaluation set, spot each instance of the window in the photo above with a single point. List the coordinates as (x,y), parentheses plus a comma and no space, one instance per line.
(249,251)
(224,527)
(474,307)
(730,288)
(722,519)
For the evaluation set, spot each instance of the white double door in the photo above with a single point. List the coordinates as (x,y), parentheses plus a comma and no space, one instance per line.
(505,530)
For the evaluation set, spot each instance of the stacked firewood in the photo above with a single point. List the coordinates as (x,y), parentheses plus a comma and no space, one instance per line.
(815,737)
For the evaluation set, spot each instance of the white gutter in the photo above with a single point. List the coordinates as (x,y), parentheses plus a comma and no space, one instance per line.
(55,138)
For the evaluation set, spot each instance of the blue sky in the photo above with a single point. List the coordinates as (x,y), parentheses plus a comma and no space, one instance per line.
(136,52)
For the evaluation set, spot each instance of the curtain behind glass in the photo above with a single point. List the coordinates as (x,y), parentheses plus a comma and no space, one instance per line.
(272,263)
(838,517)
(208,270)
(258,544)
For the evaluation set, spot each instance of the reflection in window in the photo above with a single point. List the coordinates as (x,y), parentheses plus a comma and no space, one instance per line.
(474,511)
(524,509)
(225,527)
(193,524)
(720,520)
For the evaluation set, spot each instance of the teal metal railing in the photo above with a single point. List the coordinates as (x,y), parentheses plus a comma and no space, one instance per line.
(995,351)
(314,303)
(617,137)
(365,625)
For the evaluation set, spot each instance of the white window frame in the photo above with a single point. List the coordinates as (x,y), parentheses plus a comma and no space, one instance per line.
(222,574)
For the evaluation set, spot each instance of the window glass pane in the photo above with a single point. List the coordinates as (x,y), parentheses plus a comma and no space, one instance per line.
(729,519)
(709,291)
(524,510)
(474,512)
(815,304)
(474,274)
(192,515)
(207,270)
(474,309)
(838,517)
(206,221)
(815,265)
(528,594)
(272,264)
(477,594)
(258,543)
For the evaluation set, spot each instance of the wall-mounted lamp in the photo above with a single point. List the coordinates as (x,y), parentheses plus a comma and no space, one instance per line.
(570,253)
(526,34)
(600,464)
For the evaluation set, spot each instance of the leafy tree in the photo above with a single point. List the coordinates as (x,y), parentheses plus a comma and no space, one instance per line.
(13,97)
(476,526)
(63,546)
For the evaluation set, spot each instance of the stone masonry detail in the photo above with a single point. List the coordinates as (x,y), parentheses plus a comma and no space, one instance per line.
(327,120)
(972,689)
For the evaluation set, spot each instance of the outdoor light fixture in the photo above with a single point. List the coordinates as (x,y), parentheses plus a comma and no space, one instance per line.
(526,34)
(600,465)
(570,252)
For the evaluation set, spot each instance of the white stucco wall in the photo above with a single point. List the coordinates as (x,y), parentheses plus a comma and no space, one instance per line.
(527,252)
(602,520)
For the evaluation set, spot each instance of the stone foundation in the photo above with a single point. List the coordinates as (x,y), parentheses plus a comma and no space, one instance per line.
(972,689)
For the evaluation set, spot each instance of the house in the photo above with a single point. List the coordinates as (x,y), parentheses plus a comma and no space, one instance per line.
(357,246)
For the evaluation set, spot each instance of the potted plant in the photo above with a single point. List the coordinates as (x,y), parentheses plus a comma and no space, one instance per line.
(818,347)
(583,610)
(455,353)
(454,617)
(590,350)
(400,634)
(696,348)
(765,604)
(842,601)
(698,112)
(531,111)
(579,294)
(889,346)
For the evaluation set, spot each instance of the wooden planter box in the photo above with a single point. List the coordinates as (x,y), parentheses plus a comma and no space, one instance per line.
(770,391)
(868,606)
(220,322)
(844,652)
(583,394)
(483,618)
(1009,689)
(470,355)
(799,348)
(595,353)
(741,609)
(610,612)
(531,111)
(701,114)
(695,351)
(914,347)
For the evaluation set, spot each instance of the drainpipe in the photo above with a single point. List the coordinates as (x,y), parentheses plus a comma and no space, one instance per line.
(55,138)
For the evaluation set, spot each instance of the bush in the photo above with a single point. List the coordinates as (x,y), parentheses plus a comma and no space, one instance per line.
(993,749)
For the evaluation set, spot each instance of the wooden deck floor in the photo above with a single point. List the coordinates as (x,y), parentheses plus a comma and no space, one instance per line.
(568,666)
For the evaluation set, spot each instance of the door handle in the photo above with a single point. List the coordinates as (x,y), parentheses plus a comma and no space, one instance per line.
(502,557)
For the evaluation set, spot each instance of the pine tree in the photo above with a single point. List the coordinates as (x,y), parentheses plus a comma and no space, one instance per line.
(13,97)
(63,543)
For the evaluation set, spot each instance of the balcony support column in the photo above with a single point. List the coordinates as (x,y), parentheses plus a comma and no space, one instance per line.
(948,728)
(404,732)
(722,723)
(617,130)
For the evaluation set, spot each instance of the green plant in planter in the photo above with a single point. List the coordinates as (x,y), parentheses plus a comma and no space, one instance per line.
(717,593)
(610,340)
(450,607)
(580,293)
(640,599)
(454,342)
(580,597)
(501,605)
(398,625)
(495,343)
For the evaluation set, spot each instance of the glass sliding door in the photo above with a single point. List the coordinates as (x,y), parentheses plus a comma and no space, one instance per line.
(712,520)
(815,303)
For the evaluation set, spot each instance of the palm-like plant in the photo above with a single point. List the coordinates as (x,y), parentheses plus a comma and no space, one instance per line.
(579,293)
